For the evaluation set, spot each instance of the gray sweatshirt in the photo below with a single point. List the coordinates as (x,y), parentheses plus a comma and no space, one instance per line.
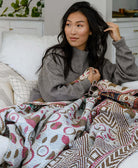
(52,86)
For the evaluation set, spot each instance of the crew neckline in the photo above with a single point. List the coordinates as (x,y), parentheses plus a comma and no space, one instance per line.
(79,55)
(81,51)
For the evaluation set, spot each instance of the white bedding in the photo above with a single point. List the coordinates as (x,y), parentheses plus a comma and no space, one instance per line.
(133,85)
(130,162)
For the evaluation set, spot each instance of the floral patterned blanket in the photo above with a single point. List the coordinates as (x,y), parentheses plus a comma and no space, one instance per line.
(97,130)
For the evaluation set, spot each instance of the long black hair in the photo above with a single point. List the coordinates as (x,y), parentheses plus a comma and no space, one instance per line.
(96,44)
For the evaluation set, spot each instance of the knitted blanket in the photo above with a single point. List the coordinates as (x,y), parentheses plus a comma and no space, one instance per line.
(97,130)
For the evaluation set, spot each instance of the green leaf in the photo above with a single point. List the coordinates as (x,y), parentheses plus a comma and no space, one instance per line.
(24,2)
(15,6)
(17,2)
(10,15)
(12,4)
(35,12)
(42,5)
(1,2)
(27,11)
(38,3)
(5,10)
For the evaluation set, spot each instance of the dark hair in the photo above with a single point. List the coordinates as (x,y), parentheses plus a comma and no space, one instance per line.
(97,42)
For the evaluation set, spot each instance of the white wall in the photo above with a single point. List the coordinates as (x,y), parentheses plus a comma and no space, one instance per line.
(54,10)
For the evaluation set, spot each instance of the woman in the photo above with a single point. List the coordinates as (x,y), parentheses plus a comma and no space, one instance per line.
(82,45)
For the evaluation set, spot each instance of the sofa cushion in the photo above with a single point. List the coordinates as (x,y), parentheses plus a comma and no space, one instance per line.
(24,52)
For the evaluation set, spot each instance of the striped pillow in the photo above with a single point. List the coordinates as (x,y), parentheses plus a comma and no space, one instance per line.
(21,89)
(6,94)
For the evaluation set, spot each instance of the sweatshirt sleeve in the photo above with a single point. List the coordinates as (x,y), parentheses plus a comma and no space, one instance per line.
(125,69)
(53,87)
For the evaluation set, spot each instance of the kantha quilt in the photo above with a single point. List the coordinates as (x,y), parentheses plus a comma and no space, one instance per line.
(97,130)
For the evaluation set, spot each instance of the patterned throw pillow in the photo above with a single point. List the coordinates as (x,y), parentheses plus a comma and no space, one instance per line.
(21,89)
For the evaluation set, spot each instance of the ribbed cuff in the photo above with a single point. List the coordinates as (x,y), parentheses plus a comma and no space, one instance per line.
(86,84)
(119,43)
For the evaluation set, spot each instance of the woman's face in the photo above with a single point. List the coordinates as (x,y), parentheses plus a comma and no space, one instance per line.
(77,30)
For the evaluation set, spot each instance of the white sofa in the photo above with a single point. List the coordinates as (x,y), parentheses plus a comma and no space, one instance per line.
(20,57)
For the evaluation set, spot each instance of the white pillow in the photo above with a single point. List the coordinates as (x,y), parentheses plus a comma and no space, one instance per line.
(21,89)
(132,85)
(24,52)
(6,94)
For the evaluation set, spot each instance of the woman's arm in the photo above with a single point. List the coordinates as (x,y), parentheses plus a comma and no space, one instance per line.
(125,69)
(53,86)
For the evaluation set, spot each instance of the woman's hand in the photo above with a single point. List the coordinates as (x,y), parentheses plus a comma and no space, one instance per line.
(114,31)
(94,75)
